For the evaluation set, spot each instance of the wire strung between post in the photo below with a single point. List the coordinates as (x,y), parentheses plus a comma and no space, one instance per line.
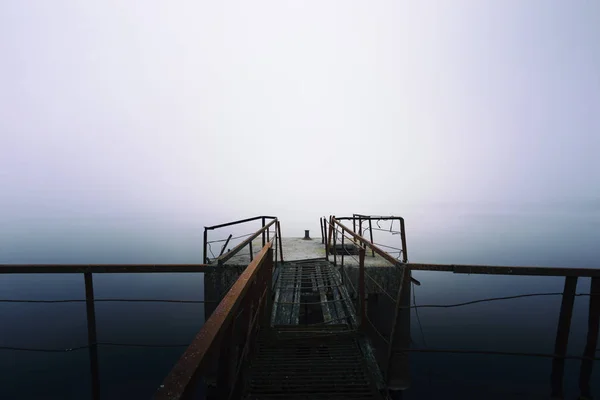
(492,299)
(68,350)
(377,330)
(233,238)
(108,300)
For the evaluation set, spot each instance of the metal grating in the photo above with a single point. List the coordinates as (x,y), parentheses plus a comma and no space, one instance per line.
(311,292)
(309,362)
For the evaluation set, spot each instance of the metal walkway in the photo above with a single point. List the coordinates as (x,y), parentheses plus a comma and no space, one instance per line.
(313,348)
(317,363)
(311,292)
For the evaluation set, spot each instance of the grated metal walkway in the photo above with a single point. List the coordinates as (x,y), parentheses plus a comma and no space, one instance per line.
(312,350)
(311,292)
(310,363)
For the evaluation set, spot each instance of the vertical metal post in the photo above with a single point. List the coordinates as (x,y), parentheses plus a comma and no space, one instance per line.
(354,223)
(360,232)
(562,335)
(371,233)
(269,285)
(335,247)
(361,288)
(343,249)
(204,249)
(403,236)
(251,252)
(329,237)
(225,245)
(592,340)
(322,236)
(400,333)
(263,234)
(280,244)
(92,339)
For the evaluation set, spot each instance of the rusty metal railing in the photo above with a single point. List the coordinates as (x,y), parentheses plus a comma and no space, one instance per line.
(219,352)
(264,232)
(357,222)
(363,282)
(396,338)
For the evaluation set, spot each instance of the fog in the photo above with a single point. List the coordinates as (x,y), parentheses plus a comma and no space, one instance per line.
(126,127)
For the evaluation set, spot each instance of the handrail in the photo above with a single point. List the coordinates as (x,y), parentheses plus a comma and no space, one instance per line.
(364,241)
(225,257)
(180,380)
(506,270)
(101,268)
(241,221)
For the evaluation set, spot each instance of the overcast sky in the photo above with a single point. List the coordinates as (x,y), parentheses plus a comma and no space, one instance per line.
(208,111)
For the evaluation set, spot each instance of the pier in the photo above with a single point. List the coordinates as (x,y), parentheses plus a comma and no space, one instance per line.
(318,317)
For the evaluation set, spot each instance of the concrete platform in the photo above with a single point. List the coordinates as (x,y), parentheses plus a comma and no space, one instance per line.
(295,249)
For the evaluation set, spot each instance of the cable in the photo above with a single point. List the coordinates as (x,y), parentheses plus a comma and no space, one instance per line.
(417,314)
(494,352)
(233,238)
(110,300)
(389,247)
(90,345)
(491,299)
(377,331)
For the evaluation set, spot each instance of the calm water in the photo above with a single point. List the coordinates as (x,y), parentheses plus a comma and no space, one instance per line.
(127,372)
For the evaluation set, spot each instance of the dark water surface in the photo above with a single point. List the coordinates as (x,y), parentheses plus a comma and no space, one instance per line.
(527,324)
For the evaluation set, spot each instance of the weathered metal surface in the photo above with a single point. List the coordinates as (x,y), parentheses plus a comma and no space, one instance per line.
(366,243)
(301,363)
(239,221)
(589,352)
(183,375)
(223,259)
(562,336)
(226,243)
(92,338)
(279,236)
(361,289)
(505,270)
(311,292)
(102,268)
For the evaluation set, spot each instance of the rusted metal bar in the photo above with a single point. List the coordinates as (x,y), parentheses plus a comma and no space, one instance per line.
(223,259)
(251,252)
(343,250)
(327,237)
(225,245)
(366,243)
(241,221)
(403,237)
(263,235)
(371,235)
(204,247)
(180,380)
(92,338)
(103,268)
(268,276)
(562,336)
(589,352)
(362,294)
(360,232)
(506,270)
(335,247)
(280,244)
(402,300)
